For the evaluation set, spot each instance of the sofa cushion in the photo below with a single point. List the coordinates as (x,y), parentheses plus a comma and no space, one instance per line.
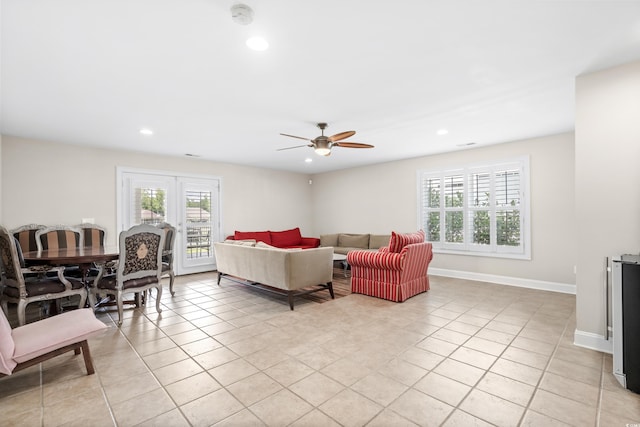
(328,240)
(302,247)
(379,240)
(264,246)
(260,236)
(354,240)
(399,241)
(286,238)
(248,242)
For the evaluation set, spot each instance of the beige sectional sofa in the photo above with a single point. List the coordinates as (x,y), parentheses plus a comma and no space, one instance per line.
(345,242)
(283,271)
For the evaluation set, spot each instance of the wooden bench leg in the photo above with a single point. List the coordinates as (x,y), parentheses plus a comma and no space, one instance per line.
(87,357)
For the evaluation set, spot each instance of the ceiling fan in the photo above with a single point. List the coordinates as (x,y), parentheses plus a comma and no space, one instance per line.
(322,144)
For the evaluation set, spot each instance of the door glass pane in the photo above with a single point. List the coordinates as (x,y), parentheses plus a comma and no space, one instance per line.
(198,224)
(149,205)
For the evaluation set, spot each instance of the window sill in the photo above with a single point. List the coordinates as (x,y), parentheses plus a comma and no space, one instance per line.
(522,257)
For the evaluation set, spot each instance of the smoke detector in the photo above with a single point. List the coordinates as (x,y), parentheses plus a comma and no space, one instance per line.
(241,14)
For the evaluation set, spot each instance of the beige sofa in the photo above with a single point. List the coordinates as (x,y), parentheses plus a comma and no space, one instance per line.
(283,271)
(342,243)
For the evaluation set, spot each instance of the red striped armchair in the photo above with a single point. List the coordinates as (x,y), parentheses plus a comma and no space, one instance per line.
(394,276)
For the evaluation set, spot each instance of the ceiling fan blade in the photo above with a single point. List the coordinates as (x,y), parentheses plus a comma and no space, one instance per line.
(293,136)
(342,135)
(352,145)
(297,146)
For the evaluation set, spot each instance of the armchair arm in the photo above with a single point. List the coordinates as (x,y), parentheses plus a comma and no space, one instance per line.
(310,241)
(42,269)
(380,260)
(38,269)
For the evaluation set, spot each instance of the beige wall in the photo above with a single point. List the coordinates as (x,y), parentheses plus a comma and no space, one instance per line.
(382,198)
(50,183)
(607,175)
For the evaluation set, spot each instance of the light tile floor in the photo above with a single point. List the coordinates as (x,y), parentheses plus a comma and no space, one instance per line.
(464,354)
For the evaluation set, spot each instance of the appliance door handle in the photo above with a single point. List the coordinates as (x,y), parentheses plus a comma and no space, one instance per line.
(607,271)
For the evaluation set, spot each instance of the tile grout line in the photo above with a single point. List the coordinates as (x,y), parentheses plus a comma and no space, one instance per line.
(544,371)
(601,391)
(472,388)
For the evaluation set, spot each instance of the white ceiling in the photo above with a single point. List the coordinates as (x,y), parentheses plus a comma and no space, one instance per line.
(93,72)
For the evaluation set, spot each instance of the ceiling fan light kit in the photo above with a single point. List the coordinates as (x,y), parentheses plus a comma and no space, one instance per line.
(323,148)
(322,145)
(241,14)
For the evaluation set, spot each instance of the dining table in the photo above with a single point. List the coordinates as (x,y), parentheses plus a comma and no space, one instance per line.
(83,257)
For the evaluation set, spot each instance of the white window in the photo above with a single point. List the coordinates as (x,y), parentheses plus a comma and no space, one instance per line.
(478,209)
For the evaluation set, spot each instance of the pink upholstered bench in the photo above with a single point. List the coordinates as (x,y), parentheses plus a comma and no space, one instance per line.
(35,342)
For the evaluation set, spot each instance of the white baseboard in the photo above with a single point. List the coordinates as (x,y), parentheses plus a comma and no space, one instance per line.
(592,341)
(564,288)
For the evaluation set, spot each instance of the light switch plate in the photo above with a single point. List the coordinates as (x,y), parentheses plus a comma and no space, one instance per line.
(88,220)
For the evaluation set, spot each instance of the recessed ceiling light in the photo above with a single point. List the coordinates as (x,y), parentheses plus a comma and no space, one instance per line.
(145,131)
(308,160)
(442,132)
(257,43)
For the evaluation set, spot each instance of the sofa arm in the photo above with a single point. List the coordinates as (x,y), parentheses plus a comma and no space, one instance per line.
(310,241)
(379,260)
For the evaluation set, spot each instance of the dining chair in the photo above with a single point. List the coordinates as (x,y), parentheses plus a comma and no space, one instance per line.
(26,239)
(36,342)
(93,235)
(139,268)
(22,287)
(59,237)
(167,253)
(26,236)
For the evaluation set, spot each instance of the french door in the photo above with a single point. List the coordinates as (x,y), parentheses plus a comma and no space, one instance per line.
(190,203)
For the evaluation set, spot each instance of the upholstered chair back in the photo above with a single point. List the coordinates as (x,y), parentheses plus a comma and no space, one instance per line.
(59,237)
(94,236)
(169,238)
(140,253)
(10,269)
(26,236)
(167,253)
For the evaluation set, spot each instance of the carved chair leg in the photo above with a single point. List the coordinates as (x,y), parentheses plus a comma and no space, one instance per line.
(119,302)
(159,289)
